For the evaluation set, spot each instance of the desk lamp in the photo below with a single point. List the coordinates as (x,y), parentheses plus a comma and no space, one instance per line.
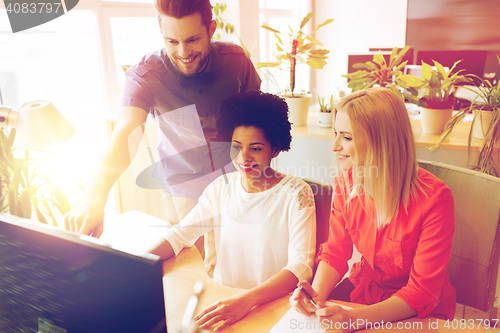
(38,125)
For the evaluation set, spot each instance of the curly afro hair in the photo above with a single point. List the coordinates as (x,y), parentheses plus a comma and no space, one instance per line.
(262,110)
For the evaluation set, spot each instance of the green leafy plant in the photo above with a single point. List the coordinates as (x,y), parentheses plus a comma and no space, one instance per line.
(223,25)
(378,71)
(325,107)
(25,187)
(487,99)
(436,83)
(297,47)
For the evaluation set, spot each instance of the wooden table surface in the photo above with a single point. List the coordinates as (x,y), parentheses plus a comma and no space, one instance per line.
(183,271)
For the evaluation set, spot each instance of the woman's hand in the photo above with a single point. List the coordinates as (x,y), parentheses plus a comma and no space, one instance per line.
(224,312)
(338,319)
(299,301)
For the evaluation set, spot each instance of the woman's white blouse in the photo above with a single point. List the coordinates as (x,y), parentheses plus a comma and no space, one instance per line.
(256,234)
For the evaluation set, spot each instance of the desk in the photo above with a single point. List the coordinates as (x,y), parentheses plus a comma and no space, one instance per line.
(182,272)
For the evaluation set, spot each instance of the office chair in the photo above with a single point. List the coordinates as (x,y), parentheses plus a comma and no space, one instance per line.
(323,200)
(473,265)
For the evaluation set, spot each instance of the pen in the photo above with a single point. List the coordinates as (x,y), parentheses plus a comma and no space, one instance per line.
(309,297)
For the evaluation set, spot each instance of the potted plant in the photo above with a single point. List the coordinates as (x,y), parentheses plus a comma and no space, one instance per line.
(378,72)
(297,47)
(25,188)
(325,112)
(433,93)
(486,109)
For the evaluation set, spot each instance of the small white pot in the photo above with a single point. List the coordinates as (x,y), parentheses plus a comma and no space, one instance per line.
(485,119)
(325,119)
(434,120)
(298,107)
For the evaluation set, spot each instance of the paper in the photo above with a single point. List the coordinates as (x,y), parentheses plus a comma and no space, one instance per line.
(133,232)
(296,322)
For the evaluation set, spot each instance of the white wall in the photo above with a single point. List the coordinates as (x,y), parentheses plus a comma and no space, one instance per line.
(357,26)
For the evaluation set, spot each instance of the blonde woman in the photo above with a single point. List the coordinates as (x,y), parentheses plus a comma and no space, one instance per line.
(399,217)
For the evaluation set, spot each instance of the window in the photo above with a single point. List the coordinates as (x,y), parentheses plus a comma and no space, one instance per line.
(76,60)
(59,61)
(280,14)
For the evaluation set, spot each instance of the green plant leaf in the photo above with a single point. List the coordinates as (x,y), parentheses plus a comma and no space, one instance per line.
(25,203)
(39,214)
(396,90)
(61,199)
(401,66)
(440,68)
(318,64)
(426,71)
(360,65)
(266,64)
(12,199)
(400,55)
(379,59)
(305,48)
(371,66)
(305,20)
(49,210)
(315,41)
(319,51)
(411,98)
(454,65)
(407,81)
(12,136)
(267,27)
(393,55)
(317,56)
(357,75)
(322,25)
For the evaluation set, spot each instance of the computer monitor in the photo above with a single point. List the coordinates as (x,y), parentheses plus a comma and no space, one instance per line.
(53,281)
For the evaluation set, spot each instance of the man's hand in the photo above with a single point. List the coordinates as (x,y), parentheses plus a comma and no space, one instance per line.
(223,313)
(87,218)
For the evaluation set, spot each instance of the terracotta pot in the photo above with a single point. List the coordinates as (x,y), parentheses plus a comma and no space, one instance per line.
(325,119)
(483,119)
(298,107)
(435,116)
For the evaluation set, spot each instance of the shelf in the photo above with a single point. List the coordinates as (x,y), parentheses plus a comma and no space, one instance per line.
(456,141)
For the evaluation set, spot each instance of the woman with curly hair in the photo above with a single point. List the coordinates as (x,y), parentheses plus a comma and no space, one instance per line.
(264,221)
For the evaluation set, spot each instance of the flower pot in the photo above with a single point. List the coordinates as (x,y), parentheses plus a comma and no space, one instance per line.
(435,116)
(484,119)
(298,107)
(325,119)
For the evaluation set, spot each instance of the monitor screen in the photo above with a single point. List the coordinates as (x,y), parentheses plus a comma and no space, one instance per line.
(53,281)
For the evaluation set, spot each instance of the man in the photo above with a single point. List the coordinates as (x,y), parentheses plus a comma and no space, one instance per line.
(181,87)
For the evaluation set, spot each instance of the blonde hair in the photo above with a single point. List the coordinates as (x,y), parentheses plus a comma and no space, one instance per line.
(385,164)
